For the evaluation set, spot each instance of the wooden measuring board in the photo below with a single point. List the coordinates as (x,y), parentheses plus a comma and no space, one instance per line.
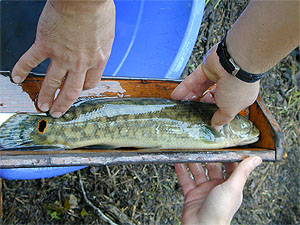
(22,98)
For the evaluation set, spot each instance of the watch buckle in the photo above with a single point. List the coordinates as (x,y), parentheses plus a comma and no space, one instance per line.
(236,67)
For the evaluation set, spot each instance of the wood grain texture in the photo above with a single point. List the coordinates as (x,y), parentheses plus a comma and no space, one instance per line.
(270,132)
(97,158)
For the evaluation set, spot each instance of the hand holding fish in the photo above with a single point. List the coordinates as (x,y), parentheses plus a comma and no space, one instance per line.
(254,44)
(231,95)
(214,200)
(77,36)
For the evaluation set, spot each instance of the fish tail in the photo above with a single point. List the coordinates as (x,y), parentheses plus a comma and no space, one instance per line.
(16,132)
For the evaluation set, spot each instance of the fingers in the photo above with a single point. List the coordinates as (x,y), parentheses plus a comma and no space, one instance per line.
(232,95)
(208,98)
(198,173)
(214,171)
(70,92)
(240,175)
(53,80)
(31,59)
(221,118)
(184,178)
(93,77)
(193,86)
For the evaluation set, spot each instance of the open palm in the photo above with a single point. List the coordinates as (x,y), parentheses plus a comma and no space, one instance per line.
(213,199)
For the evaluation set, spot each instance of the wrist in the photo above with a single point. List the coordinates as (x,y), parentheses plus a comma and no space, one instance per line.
(211,66)
(231,67)
(265,33)
(243,54)
(78,7)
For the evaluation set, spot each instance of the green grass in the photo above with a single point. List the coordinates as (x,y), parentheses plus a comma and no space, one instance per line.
(294,100)
(216,5)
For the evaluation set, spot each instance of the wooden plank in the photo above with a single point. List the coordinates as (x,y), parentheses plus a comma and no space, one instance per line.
(270,132)
(22,98)
(15,159)
(108,158)
(1,201)
(119,150)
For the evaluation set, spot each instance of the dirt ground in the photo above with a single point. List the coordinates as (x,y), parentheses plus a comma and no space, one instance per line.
(150,194)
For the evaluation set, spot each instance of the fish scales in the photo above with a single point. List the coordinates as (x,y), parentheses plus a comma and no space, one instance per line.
(133,122)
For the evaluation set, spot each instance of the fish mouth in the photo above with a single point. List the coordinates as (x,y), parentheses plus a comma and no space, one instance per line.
(249,141)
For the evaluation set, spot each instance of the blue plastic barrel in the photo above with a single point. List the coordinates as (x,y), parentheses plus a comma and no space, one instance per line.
(153,39)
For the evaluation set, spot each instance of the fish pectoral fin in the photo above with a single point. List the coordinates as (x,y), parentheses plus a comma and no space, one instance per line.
(210,135)
(141,149)
(104,147)
(110,147)
(156,148)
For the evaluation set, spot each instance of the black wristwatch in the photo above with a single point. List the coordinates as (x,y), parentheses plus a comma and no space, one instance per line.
(231,67)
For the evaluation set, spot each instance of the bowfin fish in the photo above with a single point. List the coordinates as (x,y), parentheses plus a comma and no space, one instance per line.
(132,122)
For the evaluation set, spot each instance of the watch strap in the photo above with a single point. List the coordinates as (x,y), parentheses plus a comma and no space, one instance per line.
(231,67)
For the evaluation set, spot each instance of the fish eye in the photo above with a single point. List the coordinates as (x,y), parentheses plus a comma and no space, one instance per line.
(245,127)
(42,126)
(240,126)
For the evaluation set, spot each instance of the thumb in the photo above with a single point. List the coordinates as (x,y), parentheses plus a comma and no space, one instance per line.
(221,118)
(224,200)
(235,184)
(240,175)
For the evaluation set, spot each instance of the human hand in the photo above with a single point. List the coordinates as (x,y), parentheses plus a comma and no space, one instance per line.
(77,36)
(231,95)
(213,201)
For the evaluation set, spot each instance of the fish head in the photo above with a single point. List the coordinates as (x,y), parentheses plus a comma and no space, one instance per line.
(46,132)
(23,130)
(241,131)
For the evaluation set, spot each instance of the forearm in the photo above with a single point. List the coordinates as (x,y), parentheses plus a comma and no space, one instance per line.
(83,7)
(265,33)
(80,23)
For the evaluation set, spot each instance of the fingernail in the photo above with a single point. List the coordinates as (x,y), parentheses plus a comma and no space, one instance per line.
(256,161)
(218,128)
(56,114)
(16,79)
(44,107)
(190,98)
